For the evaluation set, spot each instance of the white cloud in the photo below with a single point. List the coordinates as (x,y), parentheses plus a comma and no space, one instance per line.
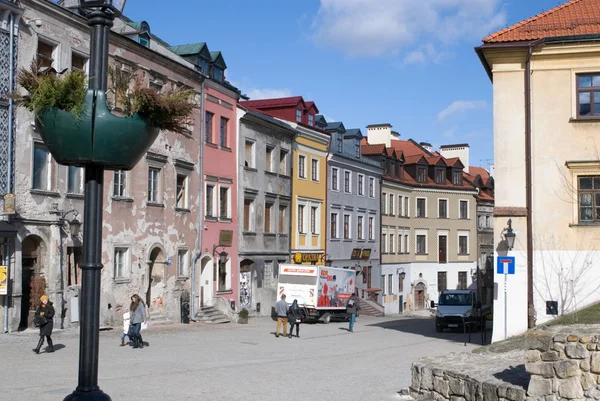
(449,133)
(460,106)
(425,54)
(255,94)
(383,27)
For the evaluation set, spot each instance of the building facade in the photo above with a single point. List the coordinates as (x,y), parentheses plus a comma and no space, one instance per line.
(545,76)
(264,206)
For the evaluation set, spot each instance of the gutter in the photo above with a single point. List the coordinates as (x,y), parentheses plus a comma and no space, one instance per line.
(326,196)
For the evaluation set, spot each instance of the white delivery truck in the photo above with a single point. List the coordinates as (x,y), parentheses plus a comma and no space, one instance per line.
(322,291)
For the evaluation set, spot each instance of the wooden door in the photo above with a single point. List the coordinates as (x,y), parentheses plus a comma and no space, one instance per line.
(443,248)
(420,296)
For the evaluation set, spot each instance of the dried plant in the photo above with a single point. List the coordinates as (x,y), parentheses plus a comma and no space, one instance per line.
(38,288)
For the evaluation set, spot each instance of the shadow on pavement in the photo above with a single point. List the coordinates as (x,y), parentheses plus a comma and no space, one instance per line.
(426,327)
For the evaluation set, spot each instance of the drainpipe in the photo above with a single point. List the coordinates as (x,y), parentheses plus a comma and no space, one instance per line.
(326,194)
(528,184)
(198,254)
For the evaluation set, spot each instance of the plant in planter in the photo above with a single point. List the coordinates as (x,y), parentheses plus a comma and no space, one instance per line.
(243,316)
(78,127)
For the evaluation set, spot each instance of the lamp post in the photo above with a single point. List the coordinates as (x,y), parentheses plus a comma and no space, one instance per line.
(100,15)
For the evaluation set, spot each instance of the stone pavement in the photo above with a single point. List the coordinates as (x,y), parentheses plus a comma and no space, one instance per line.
(234,362)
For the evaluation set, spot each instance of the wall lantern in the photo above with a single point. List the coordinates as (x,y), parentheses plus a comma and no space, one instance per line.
(115,6)
(74,227)
(223,257)
(510,236)
(401,273)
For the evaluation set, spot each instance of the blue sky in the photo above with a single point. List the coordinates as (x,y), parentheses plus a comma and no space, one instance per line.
(409,63)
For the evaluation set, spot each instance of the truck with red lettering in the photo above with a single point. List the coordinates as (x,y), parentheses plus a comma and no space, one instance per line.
(322,291)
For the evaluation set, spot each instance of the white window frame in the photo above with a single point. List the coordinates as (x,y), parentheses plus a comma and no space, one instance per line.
(383,284)
(335,179)
(372,230)
(120,174)
(384,242)
(317,227)
(463,233)
(252,144)
(186,190)
(301,227)
(315,162)
(392,204)
(417,207)
(56,52)
(298,115)
(384,204)
(251,215)
(337,225)
(426,234)
(361,192)
(407,241)
(126,262)
(158,188)
(400,205)
(468,211)
(283,163)
(349,226)
(214,200)
(311,120)
(79,185)
(392,240)
(269,201)
(270,149)
(49,165)
(185,271)
(447,208)
(229,189)
(360,233)
(303,159)
(86,66)
(372,192)
(349,172)
(407,206)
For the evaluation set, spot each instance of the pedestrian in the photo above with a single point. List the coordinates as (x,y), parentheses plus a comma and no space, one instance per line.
(352,308)
(44,316)
(281,308)
(295,315)
(138,316)
(126,328)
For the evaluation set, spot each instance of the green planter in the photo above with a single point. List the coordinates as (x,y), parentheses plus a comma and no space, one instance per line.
(97,137)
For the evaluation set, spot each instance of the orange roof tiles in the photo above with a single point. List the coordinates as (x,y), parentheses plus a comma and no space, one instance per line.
(576,17)
(407,147)
(367,149)
(474,171)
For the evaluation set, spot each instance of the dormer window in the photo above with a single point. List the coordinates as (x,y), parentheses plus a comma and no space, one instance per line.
(399,171)
(311,120)
(217,74)
(357,147)
(456,178)
(204,66)
(298,115)
(421,174)
(440,176)
(144,39)
(340,143)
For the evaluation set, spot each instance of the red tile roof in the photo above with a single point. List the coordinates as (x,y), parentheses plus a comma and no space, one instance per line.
(371,150)
(576,17)
(474,171)
(407,147)
(271,103)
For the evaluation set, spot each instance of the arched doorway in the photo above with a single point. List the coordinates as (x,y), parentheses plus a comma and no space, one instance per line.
(156,277)
(33,282)
(246,283)
(420,296)
(206,280)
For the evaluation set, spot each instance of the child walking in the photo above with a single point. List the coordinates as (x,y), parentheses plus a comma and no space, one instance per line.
(126,317)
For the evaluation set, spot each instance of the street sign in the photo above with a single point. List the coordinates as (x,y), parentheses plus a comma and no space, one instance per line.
(169,261)
(505,265)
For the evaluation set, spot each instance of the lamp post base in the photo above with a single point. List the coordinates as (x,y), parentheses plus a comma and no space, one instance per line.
(88,396)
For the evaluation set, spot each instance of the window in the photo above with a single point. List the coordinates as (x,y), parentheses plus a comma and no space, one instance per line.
(347,178)
(78,63)
(361,189)
(390,282)
(463,244)
(45,54)
(75,180)
(359,228)
(268,209)
(340,143)
(314,170)
(442,282)
(301,166)
(283,162)
(442,208)
(406,208)
(183,266)
(462,281)
(42,168)
(120,183)
(210,201)
(249,154)
(421,174)
(400,205)
(384,203)
(301,219)
(223,132)
(218,74)
(282,219)
(463,212)
(357,148)
(333,228)
(371,187)
(383,284)
(144,39)
(456,178)
(384,243)
(156,84)
(153,182)
(334,179)
(314,226)
(311,120)
(121,257)
(248,215)
(224,202)
(392,243)
(421,207)
(440,176)
(346,226)
(406,249)
(371,229)
(208,127)
(421,244)
(588,95)
(182,191)
(269,159)
(400,284)
(589,198)
(299,115)
(488,221)
(392,209)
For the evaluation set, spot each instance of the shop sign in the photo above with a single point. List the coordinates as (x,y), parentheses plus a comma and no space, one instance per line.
(3,280)
(360,254)
(300,257)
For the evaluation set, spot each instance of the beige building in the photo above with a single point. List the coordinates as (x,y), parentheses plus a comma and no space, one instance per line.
(546,83)
(428,221)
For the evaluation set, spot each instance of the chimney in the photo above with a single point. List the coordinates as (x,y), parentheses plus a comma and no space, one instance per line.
(380,133)
(461,151)
(426,145)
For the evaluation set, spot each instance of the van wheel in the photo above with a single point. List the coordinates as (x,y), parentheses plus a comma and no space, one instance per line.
(438,328)
(327,318)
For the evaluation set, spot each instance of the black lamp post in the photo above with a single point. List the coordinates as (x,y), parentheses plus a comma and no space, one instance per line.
(100,15)
(509,236)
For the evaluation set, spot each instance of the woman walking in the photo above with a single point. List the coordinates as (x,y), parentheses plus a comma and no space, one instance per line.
(137,310)
(295,315)
(44,316)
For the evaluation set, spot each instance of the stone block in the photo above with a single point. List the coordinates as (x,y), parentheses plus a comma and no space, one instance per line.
(532,355)
(503,390)
(544,369)
(426,378)
(567,368)
(489,391)
(572,338)
(560,338)
(415,377)
(549,356)
(595,362)
(585,365)
(457,398)
(558,347)
(593,394)
(472,390)
(538,386)
(440,386)
(570,388)
(438,372)
(550,398)
(457,386)
(594,339)
(576,351)
(587,381)
(585,339)
(439,397)
(591,347)
(516,394)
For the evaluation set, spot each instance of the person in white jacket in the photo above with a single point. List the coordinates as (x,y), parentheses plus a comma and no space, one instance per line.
(126,317)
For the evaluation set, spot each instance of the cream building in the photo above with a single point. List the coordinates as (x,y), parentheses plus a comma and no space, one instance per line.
(546,84)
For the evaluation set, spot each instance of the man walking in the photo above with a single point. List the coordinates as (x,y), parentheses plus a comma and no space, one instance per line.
(281,308)
(352,309)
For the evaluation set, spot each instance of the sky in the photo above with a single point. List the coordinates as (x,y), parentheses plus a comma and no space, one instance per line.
(409,63)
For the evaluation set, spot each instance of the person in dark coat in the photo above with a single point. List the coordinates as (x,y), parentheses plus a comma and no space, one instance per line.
(44,316)
(137,310)
(295,315)
(352,309)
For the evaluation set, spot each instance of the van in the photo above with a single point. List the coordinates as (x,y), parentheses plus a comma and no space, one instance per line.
(457,308)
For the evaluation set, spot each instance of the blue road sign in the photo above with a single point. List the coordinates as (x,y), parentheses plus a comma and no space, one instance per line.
(169,261)
(505,265)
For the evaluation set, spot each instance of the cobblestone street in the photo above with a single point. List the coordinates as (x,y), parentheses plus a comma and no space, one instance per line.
(234,362)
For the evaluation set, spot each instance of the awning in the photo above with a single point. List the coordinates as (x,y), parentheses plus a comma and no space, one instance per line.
(7,230)
(373,289)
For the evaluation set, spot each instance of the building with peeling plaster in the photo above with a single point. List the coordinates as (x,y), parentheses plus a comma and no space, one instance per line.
(151,214)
